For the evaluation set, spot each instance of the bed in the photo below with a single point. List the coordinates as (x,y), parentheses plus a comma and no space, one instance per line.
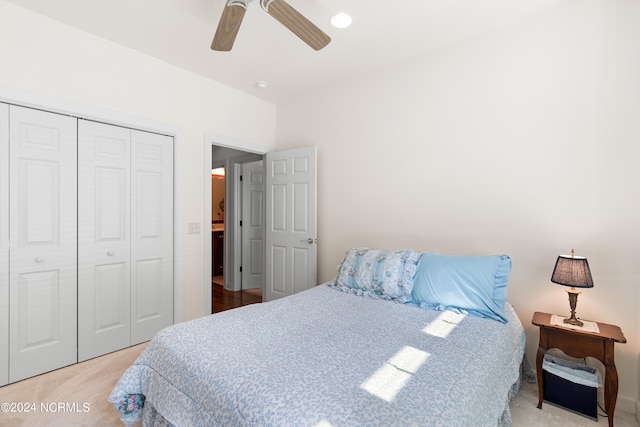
(328,356)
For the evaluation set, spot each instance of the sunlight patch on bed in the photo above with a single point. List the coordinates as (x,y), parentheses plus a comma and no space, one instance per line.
(324,423)
(387,381)
(444,324)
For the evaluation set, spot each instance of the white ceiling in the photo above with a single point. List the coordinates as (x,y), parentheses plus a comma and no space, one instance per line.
(383,33)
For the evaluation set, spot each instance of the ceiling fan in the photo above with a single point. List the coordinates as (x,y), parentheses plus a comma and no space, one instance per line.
(289,17)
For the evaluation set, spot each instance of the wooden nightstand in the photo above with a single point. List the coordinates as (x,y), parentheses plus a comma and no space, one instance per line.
(579,344)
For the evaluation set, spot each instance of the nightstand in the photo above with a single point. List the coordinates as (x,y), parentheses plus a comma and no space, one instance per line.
(580,344)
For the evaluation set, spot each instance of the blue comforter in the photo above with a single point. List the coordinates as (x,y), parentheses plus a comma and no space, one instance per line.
(326,358)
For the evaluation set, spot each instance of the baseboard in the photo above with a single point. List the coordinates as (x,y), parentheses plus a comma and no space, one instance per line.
(638,410)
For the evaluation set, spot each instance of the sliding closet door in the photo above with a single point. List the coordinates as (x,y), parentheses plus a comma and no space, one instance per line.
(152,234)
(104,267)
(4,244)
(43,234)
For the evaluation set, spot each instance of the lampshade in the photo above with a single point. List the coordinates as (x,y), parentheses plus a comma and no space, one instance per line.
(572,271)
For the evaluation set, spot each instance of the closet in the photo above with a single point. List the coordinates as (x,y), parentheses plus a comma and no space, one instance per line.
(125,228)
(86,233)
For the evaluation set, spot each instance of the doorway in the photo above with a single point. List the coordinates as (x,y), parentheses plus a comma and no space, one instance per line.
(218,185)
(226,213)
(280,169)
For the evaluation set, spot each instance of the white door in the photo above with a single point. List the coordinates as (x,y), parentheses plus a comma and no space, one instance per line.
(104,267)
(291,249)
(4,244)
(253,225)
(151,234)
(43,235)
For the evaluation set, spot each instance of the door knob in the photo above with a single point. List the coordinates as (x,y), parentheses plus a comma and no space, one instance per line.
(39,259)
(110,253)
(310,240)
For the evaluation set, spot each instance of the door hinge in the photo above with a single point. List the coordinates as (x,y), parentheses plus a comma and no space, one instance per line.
(240,177)
(240,223)
(240,269)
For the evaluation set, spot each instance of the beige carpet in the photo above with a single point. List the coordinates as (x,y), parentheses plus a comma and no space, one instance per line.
(524,413)
(82,388)
(88,384)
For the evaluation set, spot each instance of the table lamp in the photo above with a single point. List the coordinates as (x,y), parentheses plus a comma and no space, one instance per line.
(571,270)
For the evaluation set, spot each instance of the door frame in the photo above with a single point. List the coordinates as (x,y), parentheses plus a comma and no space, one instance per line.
(211,140)
(77,109)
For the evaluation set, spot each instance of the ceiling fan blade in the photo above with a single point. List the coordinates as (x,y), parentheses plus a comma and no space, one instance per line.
(228,26)
(298,24)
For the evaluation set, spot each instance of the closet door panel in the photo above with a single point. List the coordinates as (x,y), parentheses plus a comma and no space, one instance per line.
(43,232)
(104,267)
(149,295)
(152,234)
(4,244)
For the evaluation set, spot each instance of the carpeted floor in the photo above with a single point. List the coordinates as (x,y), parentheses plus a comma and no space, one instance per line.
(524,413)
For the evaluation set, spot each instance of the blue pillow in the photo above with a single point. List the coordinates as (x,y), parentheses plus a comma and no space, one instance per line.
(473,285)
(378,273)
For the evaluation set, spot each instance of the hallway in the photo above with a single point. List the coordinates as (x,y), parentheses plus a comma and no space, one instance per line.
(222,300)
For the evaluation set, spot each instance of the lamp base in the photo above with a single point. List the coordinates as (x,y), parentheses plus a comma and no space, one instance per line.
(573,321)
(573,302)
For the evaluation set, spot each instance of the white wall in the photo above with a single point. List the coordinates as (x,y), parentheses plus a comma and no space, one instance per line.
(61,66)
(524,142)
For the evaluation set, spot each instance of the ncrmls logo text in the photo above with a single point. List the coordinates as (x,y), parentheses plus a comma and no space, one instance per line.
(64,407)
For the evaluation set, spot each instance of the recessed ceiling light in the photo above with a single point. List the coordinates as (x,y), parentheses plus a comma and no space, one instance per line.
(341,20)
(262,84)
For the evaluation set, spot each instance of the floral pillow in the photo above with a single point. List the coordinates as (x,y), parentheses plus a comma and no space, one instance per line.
(378,273)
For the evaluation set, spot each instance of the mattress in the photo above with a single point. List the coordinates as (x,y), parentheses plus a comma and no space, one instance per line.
(323,357)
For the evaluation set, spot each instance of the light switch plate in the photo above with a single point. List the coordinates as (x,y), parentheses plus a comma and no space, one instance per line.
(194,228)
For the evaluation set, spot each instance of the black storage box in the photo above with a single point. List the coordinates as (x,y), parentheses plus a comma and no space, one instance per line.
(571,395)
